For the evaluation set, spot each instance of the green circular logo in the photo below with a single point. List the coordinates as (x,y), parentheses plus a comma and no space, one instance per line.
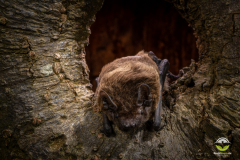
(222,144)
(222,149)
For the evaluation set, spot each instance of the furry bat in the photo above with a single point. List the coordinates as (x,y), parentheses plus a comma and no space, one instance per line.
(129,91)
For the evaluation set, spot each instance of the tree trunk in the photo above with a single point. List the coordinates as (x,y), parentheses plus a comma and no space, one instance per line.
(46,99)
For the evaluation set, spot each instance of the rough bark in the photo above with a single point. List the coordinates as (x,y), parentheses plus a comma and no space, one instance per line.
(45,88)
(45,95)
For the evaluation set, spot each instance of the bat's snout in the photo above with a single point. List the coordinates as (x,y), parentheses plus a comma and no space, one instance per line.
(129,125)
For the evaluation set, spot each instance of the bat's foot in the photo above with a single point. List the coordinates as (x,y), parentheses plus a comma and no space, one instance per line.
(107,126)
(108,131)
(158,127)
(150,126)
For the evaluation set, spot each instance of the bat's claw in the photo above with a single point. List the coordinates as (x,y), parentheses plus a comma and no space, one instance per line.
(158,127)
(181,72)
(107,131)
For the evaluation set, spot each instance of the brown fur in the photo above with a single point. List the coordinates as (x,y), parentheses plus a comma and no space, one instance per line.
(122,78)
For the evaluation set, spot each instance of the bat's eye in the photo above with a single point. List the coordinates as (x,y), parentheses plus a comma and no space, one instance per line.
(104,102)
(105,105)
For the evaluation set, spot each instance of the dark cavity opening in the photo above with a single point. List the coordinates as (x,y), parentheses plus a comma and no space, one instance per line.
(123,28)
(191,84)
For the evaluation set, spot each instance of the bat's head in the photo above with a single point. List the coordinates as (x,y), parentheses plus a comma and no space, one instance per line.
(128,117)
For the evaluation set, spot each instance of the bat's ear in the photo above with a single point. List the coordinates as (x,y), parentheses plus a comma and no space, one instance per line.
(107,100)
(144,95)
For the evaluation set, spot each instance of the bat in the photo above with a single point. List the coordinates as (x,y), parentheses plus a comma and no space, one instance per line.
(129,91)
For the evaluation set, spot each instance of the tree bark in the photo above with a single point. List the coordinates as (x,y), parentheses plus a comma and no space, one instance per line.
(46,99)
